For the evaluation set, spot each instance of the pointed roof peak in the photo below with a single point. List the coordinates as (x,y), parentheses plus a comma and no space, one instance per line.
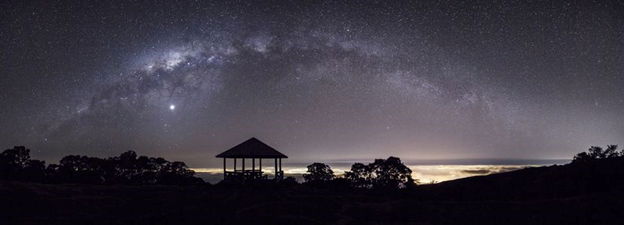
(252,148)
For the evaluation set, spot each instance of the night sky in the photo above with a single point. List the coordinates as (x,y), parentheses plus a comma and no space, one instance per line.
(319,81)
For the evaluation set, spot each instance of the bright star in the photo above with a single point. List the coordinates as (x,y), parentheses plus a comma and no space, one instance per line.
(172,107)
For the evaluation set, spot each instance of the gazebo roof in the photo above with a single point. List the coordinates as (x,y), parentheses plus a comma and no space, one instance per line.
(252,148)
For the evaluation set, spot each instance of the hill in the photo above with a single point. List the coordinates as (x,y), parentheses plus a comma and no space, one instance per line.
(588,193)
(549,182)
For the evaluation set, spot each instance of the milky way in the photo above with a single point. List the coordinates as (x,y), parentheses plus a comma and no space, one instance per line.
(317,80)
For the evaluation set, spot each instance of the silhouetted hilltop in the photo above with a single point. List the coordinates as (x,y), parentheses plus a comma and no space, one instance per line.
(557,181)
(590,190)
(586,193)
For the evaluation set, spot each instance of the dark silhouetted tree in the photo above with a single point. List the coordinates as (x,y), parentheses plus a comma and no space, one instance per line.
(596,153)
(388,173)
(318,172)
(83,169)
(611,151)
(289,181)
(146,171)
(15,164)
(125,167)
(52,174)
(34,171)
(391,173)
(582,158)
(359,176)
(176,173)
(128,168)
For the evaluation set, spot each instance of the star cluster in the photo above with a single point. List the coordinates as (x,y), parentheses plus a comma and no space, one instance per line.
(316,79)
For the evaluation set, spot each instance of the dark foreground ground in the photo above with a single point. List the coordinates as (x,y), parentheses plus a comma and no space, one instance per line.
(586,194)
(22,203)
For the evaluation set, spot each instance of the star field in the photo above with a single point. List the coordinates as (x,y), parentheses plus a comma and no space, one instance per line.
(319,80)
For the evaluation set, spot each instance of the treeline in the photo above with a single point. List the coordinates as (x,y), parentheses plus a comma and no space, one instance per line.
(126,169)
(130,169)
(597,153)
(388,173)
(392,173)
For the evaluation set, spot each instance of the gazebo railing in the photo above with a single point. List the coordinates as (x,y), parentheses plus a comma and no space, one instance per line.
(251,175)
(245,175)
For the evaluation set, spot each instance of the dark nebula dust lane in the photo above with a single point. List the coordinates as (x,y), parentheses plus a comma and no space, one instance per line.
(320,80)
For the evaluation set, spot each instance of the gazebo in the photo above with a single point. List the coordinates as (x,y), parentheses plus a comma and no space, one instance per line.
(255,150)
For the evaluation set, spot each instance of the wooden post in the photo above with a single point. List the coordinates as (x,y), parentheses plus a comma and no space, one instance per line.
(280,161)
(234,165)
(253,164)
(224,167)
(276,168)
(243,165)
(260,159)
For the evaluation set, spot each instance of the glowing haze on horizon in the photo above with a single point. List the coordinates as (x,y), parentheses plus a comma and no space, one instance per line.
(317,80)
(424,173)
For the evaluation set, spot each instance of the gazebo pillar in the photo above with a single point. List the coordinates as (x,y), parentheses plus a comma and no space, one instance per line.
(243,165)
(224,167)
(234,164)
(276,171)
(260,159)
